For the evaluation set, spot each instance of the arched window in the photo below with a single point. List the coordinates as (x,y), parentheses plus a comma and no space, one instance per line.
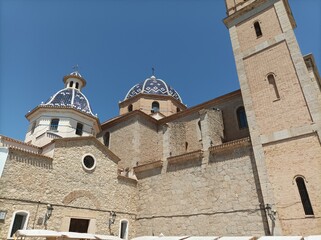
(19,221)
(178,109)
(130,108)
(77,85)
(241,117)
(304,196)
(271,80)
(155,107)
(71,84)
(258,30)
(54,124)
(123,229)
(106,139)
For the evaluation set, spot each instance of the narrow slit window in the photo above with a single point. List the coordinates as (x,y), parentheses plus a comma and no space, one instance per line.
(33,127)
(106,139)
(271,80)
(123,231)
(79,129)
(77,85)
(258,30)
(304,196)
(130,108)
(241,118)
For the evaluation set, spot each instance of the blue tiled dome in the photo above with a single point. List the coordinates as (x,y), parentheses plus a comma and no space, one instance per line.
(153,85)
(71,98)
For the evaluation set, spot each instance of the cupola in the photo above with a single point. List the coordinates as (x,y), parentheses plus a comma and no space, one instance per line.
(152,96)
(67,113)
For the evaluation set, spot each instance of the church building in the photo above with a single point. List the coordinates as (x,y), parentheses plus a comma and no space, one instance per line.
(247,163)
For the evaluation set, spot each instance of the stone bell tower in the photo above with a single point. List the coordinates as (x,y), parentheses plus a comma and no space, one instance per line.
(282,99)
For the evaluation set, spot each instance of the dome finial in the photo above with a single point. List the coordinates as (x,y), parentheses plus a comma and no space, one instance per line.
(75,68)
(153,71)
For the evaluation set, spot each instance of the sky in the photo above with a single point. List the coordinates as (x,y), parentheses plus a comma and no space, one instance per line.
(116,43)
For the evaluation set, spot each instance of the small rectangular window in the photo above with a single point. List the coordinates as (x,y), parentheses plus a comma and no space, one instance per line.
(19,222)
(79,129)
(79,225)
(54,124)
(258,30)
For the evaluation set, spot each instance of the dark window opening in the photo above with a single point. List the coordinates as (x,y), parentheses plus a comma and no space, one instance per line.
(79,129)
(258,30)
(178,109)
(33,127)
(155,107)
(186,146)
(130,108)
(241,118)
(18,222)
(54,124)
(304,196)
(123,229)
(106,139)
(71,84)
(271,80)
(78,225)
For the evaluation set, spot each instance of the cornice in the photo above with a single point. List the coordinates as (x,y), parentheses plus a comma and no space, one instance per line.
(112,155)
(197,108)
(150,96)
(195,155)
(148,166)
(229,145)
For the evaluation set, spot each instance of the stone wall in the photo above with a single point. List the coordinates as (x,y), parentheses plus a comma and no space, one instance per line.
(246,31)
(231,128)
(214,196)
(290,109)
(73,191)
(135,141)
(286,160)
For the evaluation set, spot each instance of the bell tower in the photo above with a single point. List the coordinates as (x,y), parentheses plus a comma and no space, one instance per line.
(282,100)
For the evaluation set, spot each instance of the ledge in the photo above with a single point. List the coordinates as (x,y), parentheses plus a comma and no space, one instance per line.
(228,145)
(127,178)
(196,155)
(148,166)
(11,149)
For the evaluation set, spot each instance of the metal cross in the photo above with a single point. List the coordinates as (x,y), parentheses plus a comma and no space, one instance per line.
(76,68)
(153,71)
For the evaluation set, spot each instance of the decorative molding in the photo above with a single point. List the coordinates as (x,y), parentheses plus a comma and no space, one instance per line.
(195,155)
(232,144)
(127,178)
(148,166)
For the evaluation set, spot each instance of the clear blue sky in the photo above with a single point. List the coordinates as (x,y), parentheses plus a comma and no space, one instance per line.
(116,43)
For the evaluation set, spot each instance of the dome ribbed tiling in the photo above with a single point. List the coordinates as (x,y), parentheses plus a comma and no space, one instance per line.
(153,86)
(69,97)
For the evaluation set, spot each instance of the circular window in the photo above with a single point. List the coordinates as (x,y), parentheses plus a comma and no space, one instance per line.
(89,162)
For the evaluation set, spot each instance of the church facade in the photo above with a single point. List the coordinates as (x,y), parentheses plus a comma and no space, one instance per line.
(245,163)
